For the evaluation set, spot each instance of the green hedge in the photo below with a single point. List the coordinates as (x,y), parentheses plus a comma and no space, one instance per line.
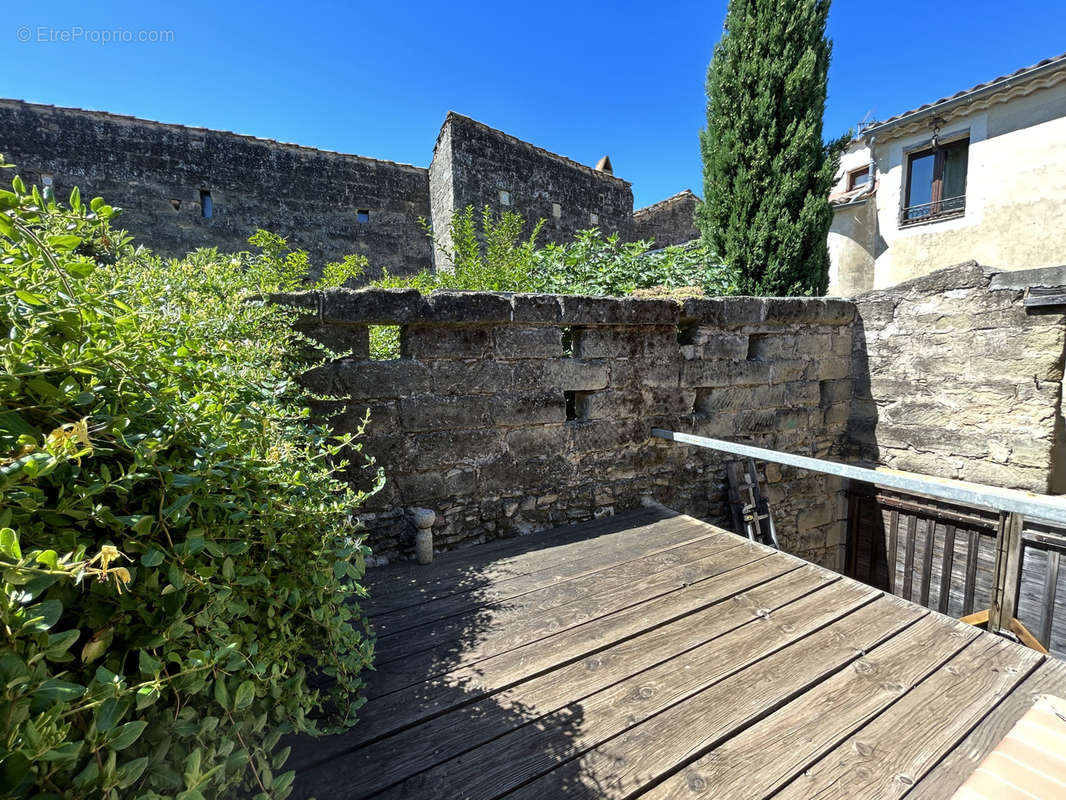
(176,549)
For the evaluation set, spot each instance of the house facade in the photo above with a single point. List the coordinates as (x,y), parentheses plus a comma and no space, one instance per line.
(980,175)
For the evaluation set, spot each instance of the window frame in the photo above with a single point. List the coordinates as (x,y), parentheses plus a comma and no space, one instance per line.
(936,191)
(853,174)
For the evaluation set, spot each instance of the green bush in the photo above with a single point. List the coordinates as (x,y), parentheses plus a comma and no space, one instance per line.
(604,265)
(177,553)
(494,256)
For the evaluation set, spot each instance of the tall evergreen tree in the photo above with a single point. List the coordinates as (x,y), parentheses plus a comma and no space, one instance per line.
(766,171)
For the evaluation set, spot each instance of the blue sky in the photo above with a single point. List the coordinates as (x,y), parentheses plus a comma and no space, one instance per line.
(579,78)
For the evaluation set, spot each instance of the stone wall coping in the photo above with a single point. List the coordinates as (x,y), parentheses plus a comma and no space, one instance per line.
(1042,277)
(375,306)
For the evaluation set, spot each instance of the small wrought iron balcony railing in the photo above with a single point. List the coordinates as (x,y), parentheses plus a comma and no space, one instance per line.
(938,209)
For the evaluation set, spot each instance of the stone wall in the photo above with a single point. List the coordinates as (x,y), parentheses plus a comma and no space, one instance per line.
(670,221)
(956,378)
(481,162)
(511,413)
(157,172)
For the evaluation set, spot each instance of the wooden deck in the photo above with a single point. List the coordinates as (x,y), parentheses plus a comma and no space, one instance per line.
(652,655)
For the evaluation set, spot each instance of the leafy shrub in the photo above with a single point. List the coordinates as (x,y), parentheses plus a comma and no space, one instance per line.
(604,265)
(175,549)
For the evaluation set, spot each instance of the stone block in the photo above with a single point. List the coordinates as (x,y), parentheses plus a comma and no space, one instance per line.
(724,373)
(470,376)
(372,306)
(368,379)
(585,310)
(658,341)
(724,312)
(541,308)
(453,447)
(429,412)
(609,435)
(346,341)
(536,441)
(447,341)
(467,308)
(809,310)
(833,391)
(527,408)
(528,341)
(563,374)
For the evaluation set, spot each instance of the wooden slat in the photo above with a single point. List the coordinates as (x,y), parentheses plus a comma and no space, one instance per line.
(624,766)
(405,583)
(893,546)
(944,595)
(908,559)
(894,751)
(972,553)
(927,561)
(440,634)
(759,760)
(506,763)
(610,551)
(387,761)
(433,694)
(1051,585)
(946,777)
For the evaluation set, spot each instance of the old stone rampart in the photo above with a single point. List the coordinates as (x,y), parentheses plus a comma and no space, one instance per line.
(508,414)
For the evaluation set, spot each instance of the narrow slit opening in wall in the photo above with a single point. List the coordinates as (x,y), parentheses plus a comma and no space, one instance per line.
(701,403)
(568,341)
(386,342)
(685,334)
(576,405)
(207,206)
(175,204)
(362,215)
(757,348)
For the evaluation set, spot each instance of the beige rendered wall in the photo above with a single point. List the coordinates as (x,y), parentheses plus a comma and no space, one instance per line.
(1015,200)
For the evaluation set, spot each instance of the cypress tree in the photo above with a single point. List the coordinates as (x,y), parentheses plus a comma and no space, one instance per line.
(766,171)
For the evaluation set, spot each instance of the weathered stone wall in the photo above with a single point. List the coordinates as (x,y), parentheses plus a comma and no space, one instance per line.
(480,162)
(955,378)
(670,221)
(156,173)
(512,413)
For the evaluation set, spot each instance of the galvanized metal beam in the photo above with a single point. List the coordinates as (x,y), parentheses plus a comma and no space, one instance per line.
(1029,504)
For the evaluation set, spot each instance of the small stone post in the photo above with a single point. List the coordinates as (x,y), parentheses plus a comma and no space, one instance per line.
(423,519)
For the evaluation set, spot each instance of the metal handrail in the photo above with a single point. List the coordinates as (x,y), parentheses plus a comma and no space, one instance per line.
(1015,501)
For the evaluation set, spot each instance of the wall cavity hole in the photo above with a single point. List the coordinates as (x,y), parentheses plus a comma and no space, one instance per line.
(757,347)
(175,204)
(386,342)
(576,405)
(702,403)
(207,206)
(568,341)
(362,215)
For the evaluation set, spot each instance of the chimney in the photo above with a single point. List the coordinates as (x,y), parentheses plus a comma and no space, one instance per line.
(604,165)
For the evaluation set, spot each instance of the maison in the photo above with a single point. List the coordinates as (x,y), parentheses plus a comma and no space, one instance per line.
(977,175)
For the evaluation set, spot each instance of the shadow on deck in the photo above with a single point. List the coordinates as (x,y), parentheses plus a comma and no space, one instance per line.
(654,655)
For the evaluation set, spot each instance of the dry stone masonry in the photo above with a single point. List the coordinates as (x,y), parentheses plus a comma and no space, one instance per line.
(955,377)
(507,414)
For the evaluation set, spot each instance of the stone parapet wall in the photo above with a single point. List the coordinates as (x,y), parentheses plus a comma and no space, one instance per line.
(955,378)
(507,414)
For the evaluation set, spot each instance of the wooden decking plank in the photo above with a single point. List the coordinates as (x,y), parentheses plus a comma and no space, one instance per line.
(760,759)
(505,763)
(888,756)
(623,766)
(610,550)
(466,684)
(947,776)
(405,583)
(390,760)
(442,634)
(535,617)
